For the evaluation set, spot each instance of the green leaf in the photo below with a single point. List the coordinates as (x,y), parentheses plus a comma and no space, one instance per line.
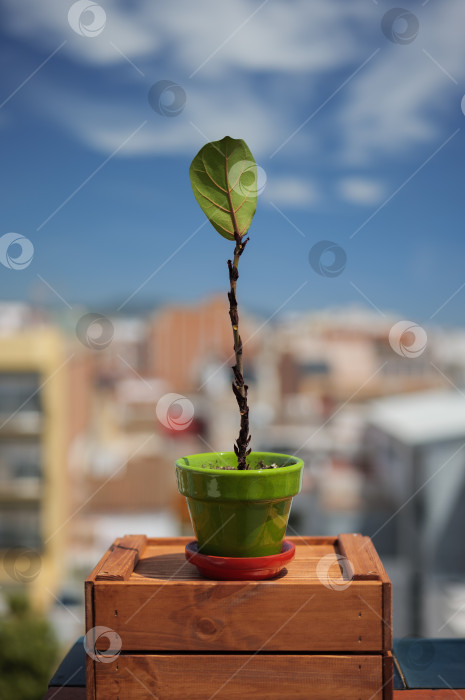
(224,180)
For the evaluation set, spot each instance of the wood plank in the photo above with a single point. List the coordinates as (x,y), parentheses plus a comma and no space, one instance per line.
(387,593)
(164,558)
(90,624)
(89,601)
(353,548)
(123,557)
(363,562)
(252,616)
(234,677)
(148,593)
(313,606)
(80,694)
(388,675)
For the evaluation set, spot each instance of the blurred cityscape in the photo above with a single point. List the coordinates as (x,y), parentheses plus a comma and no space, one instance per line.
(94,409)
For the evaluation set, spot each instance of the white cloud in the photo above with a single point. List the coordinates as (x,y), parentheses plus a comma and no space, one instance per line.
(240,34)
(104,122)
(45,24)
(274,38)
(293,192)
(399,99)
(360,190)
(267,72)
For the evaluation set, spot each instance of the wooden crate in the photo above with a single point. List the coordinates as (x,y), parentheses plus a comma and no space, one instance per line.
(321,629)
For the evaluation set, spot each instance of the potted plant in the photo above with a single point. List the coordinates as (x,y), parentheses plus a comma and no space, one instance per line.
(239,501)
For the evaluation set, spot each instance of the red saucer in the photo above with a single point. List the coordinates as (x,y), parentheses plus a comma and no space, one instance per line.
(240,568)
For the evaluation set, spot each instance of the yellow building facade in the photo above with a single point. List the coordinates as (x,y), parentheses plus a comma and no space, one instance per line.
(34,367)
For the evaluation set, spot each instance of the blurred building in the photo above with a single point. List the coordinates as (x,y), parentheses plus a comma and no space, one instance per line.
(185,339)
(344,355)
(34,434)
(416,444)
(91,424)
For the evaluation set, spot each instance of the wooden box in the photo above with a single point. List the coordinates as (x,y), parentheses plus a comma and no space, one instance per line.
(320,630)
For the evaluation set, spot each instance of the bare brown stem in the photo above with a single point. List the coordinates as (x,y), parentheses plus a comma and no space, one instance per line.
(241,446)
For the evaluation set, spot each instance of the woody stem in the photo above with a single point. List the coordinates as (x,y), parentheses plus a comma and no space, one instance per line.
(241,446)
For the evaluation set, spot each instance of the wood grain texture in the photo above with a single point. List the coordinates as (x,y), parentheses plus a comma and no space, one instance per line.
(235,677)
(387,593)
(364,563)
(89,602)
(353,548)
(312,606)
(388,675)
(122,558)
(171,616)
(80,694)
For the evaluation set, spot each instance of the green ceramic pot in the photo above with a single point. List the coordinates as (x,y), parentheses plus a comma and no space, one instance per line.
(239,513)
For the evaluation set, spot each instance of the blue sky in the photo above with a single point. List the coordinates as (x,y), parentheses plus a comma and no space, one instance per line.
(353,113)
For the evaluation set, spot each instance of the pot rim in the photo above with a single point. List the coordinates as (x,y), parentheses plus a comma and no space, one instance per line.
(296,465)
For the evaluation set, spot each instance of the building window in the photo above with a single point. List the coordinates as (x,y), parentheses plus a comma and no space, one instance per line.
(19,391)
(20,526)
(19,460)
